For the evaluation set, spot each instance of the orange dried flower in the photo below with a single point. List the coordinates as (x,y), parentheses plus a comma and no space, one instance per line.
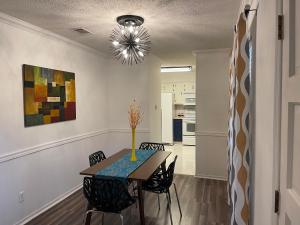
(134,114)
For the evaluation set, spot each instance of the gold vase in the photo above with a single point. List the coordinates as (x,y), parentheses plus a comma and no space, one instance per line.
(133,155)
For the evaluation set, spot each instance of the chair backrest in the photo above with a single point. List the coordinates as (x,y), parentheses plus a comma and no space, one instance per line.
(96,157)
(107,194)
(169,174)
(152,146)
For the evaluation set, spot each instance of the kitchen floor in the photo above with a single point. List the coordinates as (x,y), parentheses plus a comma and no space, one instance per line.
(185,163)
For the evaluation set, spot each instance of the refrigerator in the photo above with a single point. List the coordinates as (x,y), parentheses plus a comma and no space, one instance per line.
(167,112)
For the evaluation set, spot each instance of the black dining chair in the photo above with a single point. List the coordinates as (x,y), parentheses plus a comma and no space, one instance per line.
(96,157)
(157,147)
(152,146)
(106,195)
(160,183)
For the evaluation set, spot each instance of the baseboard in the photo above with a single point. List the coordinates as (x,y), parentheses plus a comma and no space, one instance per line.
(211,177)
(48,206)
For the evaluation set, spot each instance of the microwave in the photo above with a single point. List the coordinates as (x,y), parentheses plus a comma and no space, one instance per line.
(189,99)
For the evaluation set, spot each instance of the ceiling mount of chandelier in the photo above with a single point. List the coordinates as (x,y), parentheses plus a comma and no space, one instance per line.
(130,41)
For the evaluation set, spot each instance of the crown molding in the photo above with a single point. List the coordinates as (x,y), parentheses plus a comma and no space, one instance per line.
(17,23)
(212,50)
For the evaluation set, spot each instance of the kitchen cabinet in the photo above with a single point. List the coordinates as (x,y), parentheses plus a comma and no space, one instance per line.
(178,89)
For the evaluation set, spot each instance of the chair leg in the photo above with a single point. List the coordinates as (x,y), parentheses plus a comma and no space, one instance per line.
(102,218)
(122,219)
(177,200)
(169,196)
(169,207)
(85,216)
(87,213)
(158,201)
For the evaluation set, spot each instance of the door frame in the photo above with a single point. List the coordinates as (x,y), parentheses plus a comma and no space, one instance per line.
(276,112)
(277,115)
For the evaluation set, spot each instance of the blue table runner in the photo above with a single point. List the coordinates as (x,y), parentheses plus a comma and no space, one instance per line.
(123,167)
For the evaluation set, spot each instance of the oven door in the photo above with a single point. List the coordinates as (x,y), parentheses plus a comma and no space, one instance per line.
(188,127)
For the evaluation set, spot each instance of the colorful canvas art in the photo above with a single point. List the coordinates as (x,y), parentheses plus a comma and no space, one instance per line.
(49,95)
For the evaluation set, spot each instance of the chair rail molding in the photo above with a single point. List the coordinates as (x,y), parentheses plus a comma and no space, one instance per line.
(211,133)
(127,130)
(49,145)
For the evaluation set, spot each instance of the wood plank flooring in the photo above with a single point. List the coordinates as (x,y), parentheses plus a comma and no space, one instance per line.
(203,202)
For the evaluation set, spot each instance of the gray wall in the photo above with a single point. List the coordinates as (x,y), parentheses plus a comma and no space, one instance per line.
(45,161)
(212,92)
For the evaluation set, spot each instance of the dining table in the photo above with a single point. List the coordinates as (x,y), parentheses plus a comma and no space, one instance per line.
(139,175)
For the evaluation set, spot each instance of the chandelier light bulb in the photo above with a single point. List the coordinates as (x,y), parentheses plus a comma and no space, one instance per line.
(125,52)
(136,32)
(130,29)
(116,43)
(140,53)
(137,40)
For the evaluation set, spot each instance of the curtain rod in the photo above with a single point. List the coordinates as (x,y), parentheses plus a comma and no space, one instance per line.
(247,10)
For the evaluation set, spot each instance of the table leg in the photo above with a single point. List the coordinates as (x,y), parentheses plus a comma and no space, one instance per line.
(141,202)
(89,215)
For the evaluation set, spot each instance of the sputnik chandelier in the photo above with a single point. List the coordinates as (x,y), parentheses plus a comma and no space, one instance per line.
(130,41)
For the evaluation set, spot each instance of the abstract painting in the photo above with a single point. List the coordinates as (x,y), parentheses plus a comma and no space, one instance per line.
(49,95)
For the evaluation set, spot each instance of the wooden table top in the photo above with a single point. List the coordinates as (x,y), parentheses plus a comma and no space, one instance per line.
(142,173)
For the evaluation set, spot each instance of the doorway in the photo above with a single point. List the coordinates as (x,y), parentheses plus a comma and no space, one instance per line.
(178,104)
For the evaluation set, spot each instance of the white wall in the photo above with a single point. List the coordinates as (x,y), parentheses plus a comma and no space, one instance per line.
(140,82)
(179,77)
(212,113)
(155,100)
(45,161)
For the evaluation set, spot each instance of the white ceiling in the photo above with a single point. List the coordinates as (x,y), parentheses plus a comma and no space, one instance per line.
(177,27)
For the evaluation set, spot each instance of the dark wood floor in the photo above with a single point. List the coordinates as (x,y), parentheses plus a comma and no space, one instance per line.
(203,202)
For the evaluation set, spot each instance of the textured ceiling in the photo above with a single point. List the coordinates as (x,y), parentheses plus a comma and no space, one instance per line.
(177,27)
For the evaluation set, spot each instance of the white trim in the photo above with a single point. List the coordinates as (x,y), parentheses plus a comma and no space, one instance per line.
(211,133)
(17,23)
(49,145)
(47,206)
(38,148)
(126,130)
(214,50)
(277,113)
(211,177)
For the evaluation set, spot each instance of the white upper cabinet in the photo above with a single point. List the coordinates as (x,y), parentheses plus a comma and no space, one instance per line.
(178,89)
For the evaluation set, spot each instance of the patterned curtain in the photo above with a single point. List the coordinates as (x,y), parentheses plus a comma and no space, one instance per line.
(238,127)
